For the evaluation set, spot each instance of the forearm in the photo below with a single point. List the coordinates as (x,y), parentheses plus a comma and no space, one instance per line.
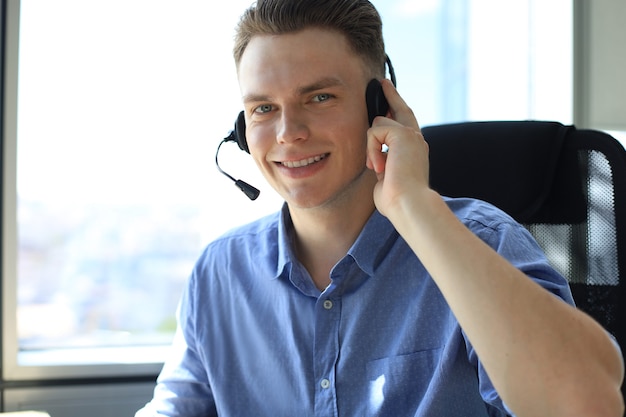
(542,355)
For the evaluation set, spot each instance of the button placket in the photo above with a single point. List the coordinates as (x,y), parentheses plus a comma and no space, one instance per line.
(326,353)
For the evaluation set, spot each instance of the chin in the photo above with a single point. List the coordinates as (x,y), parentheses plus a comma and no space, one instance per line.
(332,195)
(305,202)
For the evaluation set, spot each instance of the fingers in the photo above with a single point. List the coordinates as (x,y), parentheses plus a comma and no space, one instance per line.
(399,109)
(392,131)
(376,158)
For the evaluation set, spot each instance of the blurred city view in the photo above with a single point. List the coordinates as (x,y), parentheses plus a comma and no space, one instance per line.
(102,275)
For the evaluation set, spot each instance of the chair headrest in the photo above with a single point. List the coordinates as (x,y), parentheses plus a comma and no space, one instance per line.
(523,167)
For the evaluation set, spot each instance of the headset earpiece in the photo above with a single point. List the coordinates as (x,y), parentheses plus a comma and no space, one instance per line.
(239,132)
(375,100)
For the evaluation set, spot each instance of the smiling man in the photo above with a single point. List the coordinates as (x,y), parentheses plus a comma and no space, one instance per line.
(369,294)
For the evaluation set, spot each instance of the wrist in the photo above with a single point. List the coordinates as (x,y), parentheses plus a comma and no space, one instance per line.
(416,209)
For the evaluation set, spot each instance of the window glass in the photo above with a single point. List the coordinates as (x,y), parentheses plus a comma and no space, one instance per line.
(121,106)
(122,103)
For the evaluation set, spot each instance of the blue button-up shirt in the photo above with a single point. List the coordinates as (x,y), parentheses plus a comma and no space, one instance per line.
(257,338)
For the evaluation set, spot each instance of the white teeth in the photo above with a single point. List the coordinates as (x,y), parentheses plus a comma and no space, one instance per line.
(303,162)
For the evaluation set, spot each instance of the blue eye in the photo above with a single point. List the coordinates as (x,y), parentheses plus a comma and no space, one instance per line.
(322,97)
(263,108)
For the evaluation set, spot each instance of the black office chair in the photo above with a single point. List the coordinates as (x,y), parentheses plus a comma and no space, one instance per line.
(566,185)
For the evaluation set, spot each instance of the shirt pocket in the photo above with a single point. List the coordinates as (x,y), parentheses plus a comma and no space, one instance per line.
(399,383)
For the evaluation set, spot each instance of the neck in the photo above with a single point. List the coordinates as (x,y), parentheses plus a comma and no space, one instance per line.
(325,234)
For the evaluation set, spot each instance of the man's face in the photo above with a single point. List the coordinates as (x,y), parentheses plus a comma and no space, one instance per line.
(304,100)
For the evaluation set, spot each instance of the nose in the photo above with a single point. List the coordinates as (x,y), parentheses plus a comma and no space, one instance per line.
(292,126)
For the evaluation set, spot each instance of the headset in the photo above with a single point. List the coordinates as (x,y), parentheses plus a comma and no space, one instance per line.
(376,106)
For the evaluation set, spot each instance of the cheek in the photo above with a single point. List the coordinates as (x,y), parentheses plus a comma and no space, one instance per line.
(258,139)
(358,142)
(359,127)
(258,156)
(259,143)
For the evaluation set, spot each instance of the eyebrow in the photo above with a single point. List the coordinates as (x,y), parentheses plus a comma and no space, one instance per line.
(320,84)
(325,82)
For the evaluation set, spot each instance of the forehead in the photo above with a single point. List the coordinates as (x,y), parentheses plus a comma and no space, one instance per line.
(313,51)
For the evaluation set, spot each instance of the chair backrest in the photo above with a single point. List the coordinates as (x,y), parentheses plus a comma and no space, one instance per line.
(567,186)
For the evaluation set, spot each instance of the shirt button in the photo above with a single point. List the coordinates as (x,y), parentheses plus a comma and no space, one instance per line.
(325,383)
(328,304)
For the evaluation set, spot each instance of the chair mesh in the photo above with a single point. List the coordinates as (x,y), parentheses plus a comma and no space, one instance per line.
(594,272)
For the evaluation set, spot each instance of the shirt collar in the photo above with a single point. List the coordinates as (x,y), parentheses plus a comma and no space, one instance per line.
(372,244)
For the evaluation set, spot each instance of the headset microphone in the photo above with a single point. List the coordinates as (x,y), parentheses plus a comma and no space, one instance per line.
(247,189)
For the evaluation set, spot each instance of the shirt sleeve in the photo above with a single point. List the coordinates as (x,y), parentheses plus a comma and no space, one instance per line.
(182,386)
(515,243)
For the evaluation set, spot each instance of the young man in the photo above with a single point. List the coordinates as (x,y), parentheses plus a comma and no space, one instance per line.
(369,294)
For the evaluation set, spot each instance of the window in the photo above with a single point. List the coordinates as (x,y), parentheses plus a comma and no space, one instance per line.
(113,112)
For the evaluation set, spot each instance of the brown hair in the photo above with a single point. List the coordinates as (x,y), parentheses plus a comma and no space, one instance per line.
(357,20)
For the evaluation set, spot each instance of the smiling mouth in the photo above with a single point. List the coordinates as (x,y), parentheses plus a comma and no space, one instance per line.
(303,162)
